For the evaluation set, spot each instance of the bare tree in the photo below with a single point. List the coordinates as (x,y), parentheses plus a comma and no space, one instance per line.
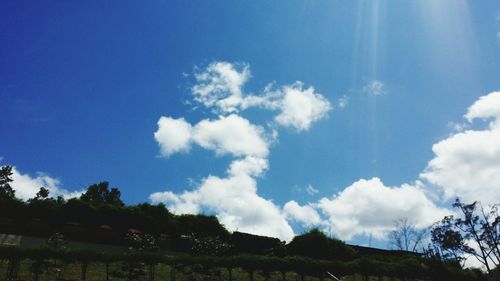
(406,236)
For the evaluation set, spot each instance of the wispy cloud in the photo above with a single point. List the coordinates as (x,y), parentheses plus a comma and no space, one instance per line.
(311,190)
(343,101)
(375,88)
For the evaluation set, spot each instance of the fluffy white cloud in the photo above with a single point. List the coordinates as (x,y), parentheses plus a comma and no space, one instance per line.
(487,107)
(27,186)
(234,200)
(173,135)
(467,164)
(220,87)
(305,215)
(368,207)
(251,166)
(375,88)
(231,134)
(301,107)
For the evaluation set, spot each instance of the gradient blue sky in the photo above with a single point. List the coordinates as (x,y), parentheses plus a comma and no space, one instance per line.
(83,84)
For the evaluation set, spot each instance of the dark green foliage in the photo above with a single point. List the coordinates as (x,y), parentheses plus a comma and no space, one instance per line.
(100,216)
(57,241)
(316,244)
(141,242)
(6,190)
(254,244)
(202,225)
(141,263)
(42,194)
(100,193)
(207,245)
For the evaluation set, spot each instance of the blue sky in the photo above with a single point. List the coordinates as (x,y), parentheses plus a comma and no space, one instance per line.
(83,86)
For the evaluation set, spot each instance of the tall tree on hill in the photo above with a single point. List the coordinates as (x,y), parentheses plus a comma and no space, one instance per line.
(101,194)
(6,190)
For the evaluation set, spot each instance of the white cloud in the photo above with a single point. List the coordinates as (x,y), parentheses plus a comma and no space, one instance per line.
(173,135)
(375,88)
(457,127)
(220,87)
(251,166)
(301,107)
(311,190)
(234,200)
(27,186)
(487,107)
(231,134)
(343,101)
(467,164)
(305,215)
(368,207)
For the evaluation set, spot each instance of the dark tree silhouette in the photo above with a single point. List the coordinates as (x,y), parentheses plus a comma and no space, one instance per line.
(100,194)
(42,194)
(6,190)
(316,244)
(475,233)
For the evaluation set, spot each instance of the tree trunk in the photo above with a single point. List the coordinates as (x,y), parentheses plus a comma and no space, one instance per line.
(283,276)
(151,272)
(83,272)
(13,269)
(230,273)
(107,271)
(36,268)
(250,275)
(172,273)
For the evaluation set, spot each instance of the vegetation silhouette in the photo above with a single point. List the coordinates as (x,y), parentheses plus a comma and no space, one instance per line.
(149,236)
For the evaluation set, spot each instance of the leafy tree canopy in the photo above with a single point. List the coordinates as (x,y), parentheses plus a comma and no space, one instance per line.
(6,190)
(101,194)
(316,244)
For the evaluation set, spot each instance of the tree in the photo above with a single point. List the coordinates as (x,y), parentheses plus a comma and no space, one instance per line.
(100,194)
(476,233)
(6,190)
(406,236)
(42,194)
(315,244)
